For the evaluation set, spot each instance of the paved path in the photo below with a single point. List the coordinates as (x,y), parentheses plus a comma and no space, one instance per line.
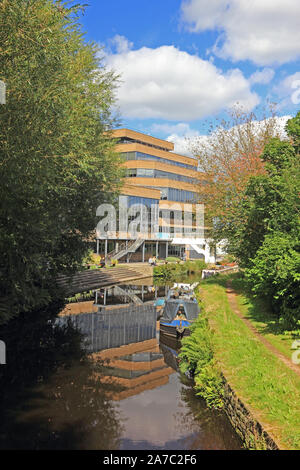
(231,294)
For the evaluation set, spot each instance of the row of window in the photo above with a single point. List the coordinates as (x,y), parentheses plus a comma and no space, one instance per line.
(171,194)
(146,156)
(127,140)
(146,201)
(176,250)
(150,173)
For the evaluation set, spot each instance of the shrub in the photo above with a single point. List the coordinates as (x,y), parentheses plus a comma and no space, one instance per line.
(275,274)
(170,271)
(197,358)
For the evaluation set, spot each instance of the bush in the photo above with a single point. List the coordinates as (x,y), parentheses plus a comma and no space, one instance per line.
(275,274)
(171,271)
(197,358)
(209,384)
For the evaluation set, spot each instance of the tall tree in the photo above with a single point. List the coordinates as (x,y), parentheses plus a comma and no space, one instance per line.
(228,157)
(57,158)
(268,243)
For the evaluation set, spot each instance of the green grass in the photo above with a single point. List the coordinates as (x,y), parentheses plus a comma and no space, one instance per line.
(173,259)
(257,311)
(262,381)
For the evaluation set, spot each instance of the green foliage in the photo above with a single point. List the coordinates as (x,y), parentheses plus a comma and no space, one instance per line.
(194,267)
(228,259)
(90,257)
(173,259)
(196,350)
(278,153)
(267,243)
(57,158)
(275,273)
(173,270)
(197,357)
(293,130)
(81,297)
(210,386)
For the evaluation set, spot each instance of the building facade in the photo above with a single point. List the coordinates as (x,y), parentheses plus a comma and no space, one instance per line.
(167,185)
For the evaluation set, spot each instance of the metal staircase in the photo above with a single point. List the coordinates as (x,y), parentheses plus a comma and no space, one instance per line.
(124,249)
(124,294)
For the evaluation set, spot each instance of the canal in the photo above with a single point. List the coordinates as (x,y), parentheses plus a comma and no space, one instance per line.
(126,393)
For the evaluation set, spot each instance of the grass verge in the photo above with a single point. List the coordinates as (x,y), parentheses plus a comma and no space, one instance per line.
(262,381)
(257,311)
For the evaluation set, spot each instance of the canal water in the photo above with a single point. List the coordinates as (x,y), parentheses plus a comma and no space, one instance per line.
(127,393)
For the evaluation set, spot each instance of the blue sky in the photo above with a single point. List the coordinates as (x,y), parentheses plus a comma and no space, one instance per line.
(184,62)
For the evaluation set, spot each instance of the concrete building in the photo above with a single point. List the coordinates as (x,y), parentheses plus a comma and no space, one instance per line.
(167,185)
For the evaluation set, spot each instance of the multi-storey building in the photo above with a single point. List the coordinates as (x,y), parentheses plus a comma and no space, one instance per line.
(168,184)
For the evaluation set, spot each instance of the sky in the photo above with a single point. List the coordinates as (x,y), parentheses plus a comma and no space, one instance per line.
(183,63)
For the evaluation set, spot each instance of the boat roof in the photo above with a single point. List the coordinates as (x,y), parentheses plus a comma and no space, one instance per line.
(191,309)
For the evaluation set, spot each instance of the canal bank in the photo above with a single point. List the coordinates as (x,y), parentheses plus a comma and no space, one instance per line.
(258,392)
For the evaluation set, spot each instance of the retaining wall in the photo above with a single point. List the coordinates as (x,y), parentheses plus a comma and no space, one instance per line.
(247,427)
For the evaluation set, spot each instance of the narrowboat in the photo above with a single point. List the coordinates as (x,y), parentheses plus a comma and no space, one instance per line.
(180,310)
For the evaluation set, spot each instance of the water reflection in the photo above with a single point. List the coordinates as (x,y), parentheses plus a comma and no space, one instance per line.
(130,293)
(70,411)
(114,327)
(126,394)
(171,417)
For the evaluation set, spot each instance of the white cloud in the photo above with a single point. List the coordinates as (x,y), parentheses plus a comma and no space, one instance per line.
(281,122)
(182,143)
(181,128)
(264,31)
(180,134)
(262,76)
(121,44)
(167,83)
(287,92)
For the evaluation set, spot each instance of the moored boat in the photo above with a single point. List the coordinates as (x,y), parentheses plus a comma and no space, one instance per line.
(180,310)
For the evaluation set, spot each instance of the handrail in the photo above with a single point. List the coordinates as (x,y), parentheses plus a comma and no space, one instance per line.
(125,247)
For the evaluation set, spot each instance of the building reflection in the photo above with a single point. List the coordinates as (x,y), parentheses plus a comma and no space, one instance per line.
(123,340)
(113,328)
(136,368)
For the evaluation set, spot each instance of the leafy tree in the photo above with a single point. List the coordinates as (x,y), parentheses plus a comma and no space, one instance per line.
(228,158)
(271,205)
(268,242)
(57,158)
(278,154)
(293,129)
(274,273)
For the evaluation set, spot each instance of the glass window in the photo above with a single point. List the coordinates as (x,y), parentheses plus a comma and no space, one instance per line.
(146,156)
(131,172)
(141,200)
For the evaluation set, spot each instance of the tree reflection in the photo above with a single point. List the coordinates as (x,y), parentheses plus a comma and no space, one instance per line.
(72,410)
(52,396)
